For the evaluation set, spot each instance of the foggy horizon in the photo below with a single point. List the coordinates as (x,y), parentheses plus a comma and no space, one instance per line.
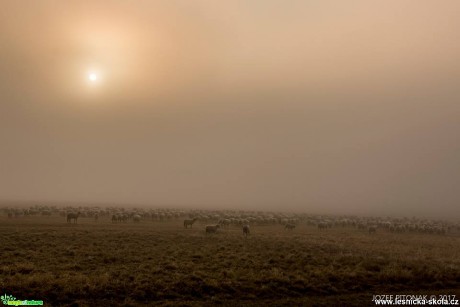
(322,107)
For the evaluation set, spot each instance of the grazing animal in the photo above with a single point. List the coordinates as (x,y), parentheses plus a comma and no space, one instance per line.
(96,217)
(224,222)
(289,226)
(136,218)
(322,225)
(189,222)
(212,228)
(114,218)
(246,230)
(372,229)
(72,216)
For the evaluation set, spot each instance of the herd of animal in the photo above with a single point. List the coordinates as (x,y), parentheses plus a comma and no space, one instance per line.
(221,219)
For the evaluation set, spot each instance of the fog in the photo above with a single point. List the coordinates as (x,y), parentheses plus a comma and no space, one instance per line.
(315,106)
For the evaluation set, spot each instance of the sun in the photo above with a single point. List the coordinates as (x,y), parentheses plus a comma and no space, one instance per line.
(92,77)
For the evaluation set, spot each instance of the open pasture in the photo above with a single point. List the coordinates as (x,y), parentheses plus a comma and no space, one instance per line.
(162,263)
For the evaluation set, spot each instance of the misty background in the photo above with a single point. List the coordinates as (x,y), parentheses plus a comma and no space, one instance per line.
(314,106)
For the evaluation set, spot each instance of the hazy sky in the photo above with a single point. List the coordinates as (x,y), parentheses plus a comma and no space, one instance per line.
(320,106)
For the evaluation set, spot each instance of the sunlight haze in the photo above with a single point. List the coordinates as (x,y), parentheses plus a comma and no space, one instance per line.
(314,106)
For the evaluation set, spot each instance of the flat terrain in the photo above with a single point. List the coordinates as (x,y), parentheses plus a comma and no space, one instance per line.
(161,263)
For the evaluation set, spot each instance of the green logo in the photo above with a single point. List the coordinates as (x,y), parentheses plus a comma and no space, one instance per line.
(6,298)
(12,301)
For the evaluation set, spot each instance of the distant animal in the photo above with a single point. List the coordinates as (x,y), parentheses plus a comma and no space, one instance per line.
(72,216)
(289,226)
(372,229)
(322,225)
(46,212)
(136,218)
(224,222)
(189,222)
(114,218)
(212,228)
(96,217)
(246,230)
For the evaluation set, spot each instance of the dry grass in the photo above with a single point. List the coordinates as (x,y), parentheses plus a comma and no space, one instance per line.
(161,263)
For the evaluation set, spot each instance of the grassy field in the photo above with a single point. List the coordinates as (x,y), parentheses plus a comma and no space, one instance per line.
(161,263)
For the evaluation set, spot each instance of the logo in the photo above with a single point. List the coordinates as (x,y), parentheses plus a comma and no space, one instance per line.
(12,301)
